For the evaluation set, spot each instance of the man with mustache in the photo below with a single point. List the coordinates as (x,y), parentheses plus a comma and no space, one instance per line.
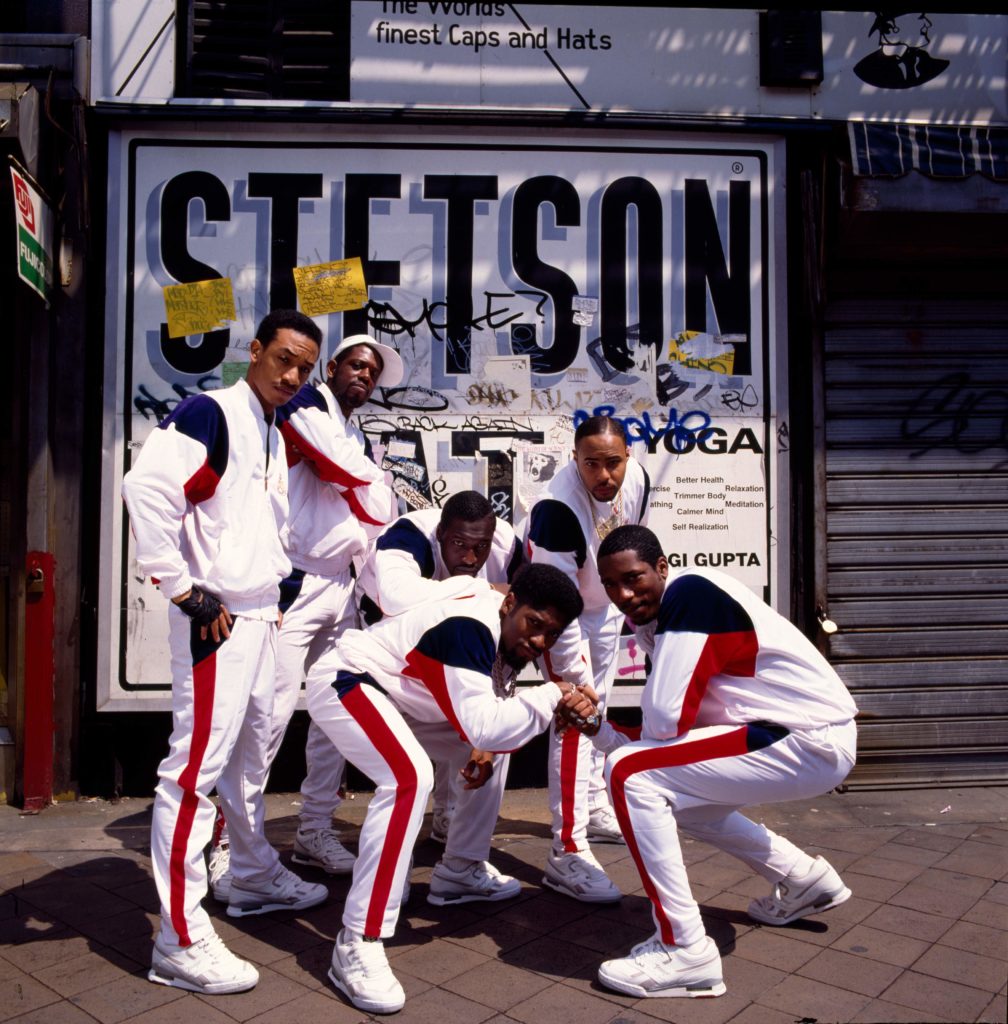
(602,487)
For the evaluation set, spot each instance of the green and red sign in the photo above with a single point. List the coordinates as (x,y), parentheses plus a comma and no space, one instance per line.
(34,235)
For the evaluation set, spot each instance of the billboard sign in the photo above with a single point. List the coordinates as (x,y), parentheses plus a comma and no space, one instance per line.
(527,283)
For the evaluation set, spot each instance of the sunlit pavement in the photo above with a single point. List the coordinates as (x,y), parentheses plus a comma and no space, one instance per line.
(923,938)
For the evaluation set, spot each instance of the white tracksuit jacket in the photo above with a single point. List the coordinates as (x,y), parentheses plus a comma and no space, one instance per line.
(337,493)
(207,498)
(721,656)
(404,567)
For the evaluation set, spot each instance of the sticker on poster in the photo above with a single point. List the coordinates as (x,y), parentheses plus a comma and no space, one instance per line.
(535,466)
(331,287)
(506,383)
(198,306)
(585,307)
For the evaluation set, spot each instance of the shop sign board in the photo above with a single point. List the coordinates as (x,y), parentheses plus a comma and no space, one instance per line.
(34,234)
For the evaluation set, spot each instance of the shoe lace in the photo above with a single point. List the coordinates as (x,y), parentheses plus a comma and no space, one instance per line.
(212,947)
(586,866)
(651,950)
(285,881)
(220,856)
(484,871)
(368,957)
(327,842)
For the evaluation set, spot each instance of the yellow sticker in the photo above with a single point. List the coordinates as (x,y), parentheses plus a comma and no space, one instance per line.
(198,307)
(698,351)
(331,287)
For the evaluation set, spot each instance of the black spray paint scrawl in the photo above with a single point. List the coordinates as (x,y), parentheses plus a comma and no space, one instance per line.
(898,64)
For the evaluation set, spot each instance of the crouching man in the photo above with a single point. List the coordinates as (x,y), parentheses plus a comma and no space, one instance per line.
(739,708)
(445,663)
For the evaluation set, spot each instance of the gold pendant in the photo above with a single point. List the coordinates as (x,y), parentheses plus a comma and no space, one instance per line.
(607,526)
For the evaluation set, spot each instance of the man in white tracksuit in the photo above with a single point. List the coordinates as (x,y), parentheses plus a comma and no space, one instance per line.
(601,488)
(380,692)
(338,499)
(430,555)
(207,500)
(739,708)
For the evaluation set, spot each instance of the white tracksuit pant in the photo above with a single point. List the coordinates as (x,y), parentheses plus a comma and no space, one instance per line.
(575,768)
(695,783)
(222,698)
(322,609)
(476,810)
(372,734)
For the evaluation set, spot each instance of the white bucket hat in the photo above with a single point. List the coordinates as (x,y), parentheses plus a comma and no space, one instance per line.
(392,365)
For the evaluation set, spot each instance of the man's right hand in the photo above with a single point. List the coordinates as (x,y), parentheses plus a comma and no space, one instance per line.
(207,612)
(578,708)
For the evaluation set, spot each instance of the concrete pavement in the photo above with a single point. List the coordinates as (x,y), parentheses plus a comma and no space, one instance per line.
(923,938)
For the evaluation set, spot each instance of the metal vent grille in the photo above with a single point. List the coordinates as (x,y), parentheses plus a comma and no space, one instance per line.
(264,49)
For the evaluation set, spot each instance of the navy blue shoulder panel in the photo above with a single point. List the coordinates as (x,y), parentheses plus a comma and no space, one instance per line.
(202,419)
(461,642)
(553,526)
(308,397)
(403,535)
(516,561)
(693,604)
(646,496)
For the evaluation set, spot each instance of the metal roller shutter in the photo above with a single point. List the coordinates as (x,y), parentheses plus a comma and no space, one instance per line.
(916,515)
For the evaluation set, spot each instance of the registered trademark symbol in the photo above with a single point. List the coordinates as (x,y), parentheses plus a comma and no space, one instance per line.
(736,167)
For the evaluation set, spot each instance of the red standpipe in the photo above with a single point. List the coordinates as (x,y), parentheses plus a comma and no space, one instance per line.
(40,677)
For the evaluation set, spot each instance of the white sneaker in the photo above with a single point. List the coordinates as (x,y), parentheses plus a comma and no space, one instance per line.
(285,891)
(654,969)
(479,881)
(360,970)
(819,889)
(207,966)
(441,817)
(219,872)
(580,875)
(321,848)
(603,826)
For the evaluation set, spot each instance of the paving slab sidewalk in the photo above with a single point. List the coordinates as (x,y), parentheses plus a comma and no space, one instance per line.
(923,938)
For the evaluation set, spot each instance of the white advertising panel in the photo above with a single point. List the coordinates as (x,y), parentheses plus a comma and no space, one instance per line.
(526,283)
(941,67)
(944,67)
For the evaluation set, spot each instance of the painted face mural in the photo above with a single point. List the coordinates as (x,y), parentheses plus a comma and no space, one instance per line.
(901,60)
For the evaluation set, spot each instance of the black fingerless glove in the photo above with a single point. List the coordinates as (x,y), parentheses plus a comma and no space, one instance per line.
(201,607)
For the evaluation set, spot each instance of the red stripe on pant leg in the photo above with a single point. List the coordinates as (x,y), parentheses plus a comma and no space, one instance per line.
(568,784)
(204,682)
(385,742)
(682,752)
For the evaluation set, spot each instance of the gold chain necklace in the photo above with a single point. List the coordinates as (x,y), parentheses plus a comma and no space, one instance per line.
(614,519)
(503,677)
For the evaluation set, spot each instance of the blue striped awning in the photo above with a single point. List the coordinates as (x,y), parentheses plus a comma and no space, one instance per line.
(940,151)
